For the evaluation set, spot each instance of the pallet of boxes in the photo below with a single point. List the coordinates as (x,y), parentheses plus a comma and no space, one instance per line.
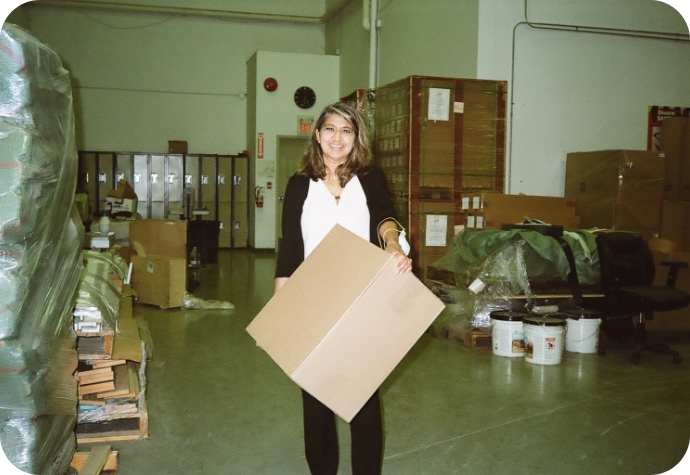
(674,227)
(112,354)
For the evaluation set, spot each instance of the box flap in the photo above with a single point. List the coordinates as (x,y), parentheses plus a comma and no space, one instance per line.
(320,291)
(344,320)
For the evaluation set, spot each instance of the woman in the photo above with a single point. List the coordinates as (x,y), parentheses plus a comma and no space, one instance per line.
(338,183)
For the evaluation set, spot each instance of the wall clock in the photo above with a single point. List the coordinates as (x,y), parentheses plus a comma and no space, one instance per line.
(305,97)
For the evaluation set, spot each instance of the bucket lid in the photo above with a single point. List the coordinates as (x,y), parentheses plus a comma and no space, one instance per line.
(508,316)
(578,313)
(544,321)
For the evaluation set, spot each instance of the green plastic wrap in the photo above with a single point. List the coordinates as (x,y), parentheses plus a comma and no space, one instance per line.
(500,265)
(40,256)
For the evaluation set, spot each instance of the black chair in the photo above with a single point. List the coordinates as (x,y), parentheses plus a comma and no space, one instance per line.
(627,272)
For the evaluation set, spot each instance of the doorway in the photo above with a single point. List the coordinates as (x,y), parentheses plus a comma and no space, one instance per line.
(289,153)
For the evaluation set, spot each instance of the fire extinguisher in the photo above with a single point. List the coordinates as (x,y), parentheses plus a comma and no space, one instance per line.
(259,196)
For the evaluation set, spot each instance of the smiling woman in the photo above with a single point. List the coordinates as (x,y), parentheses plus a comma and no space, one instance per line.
(338,184)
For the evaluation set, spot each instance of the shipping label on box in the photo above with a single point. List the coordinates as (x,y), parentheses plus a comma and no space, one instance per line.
(159,280)
(341,351)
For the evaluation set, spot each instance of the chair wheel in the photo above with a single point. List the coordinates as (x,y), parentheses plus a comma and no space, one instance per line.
(677,359)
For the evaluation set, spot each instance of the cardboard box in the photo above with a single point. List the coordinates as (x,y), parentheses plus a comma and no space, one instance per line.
(162,237)
(617,189)
(177,146)
(342,351)
(159,280)
(123,190)
(673,321)
(520,204)
(494,219)
(122,205)
(675,223)
(675,143)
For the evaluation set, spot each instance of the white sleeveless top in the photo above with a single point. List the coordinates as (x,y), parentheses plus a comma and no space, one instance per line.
(321,212)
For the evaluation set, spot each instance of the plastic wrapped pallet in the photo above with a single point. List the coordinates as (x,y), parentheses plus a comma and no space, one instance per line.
(508,263)
(40,256)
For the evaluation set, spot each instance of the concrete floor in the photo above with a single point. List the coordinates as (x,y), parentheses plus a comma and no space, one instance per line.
(219,405)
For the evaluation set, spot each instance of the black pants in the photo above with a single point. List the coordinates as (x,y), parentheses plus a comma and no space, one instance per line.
(321,438)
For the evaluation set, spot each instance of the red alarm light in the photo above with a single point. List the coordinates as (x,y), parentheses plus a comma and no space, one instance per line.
(270,84)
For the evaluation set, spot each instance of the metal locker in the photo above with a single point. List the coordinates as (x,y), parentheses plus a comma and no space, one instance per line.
(174,183)
(225,187)
(87,181)
(124,168)
(225,224)
(141,184)
(209,182)
(192,176)
(240,202)
(106,178)
(157,186)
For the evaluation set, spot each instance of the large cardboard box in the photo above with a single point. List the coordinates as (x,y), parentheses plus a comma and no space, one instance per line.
(162,237)
(674,321)
(344,320)
(521,204)
(675,143)
(159,280)
(675,223)
(617,189)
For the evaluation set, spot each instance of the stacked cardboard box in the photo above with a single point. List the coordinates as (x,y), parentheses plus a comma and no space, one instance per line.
(491,210)
(160,264)
(437,138)
(617,189)
(675,143)
(364,101)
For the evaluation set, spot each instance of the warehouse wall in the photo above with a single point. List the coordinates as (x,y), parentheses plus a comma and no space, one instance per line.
(436,38)
(579,91)
(142,79)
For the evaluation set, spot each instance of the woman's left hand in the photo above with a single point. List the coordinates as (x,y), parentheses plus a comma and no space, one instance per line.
(402,262)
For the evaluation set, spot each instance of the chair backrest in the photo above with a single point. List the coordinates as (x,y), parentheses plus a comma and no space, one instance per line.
(625,259)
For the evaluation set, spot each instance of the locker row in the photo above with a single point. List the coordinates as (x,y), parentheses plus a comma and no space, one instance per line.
(207,187)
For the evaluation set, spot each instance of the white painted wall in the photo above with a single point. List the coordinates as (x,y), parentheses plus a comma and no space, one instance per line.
(140,80)
(579,91)
(275,114)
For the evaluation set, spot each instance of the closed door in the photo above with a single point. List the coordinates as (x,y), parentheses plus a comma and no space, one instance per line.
(290,151)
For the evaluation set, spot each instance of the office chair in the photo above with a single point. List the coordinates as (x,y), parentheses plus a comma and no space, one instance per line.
(627,272)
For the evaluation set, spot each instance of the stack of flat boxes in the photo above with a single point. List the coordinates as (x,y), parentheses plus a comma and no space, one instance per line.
(492,210)
(430,163)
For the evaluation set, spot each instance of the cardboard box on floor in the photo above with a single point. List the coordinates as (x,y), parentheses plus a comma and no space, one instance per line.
(344,321)
(674,321)
(159,276)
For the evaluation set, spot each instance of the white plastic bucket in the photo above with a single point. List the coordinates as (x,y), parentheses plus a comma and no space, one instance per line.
(544,339)
(507,335)
(582,334)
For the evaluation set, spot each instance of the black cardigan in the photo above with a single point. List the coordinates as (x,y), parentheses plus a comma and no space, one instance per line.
(291,252)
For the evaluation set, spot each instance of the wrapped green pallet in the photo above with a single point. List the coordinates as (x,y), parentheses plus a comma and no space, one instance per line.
(40,256)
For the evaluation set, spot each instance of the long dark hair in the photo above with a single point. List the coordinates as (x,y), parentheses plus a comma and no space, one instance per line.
(360,159)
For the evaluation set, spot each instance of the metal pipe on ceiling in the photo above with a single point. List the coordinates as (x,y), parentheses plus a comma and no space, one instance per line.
(200,12)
